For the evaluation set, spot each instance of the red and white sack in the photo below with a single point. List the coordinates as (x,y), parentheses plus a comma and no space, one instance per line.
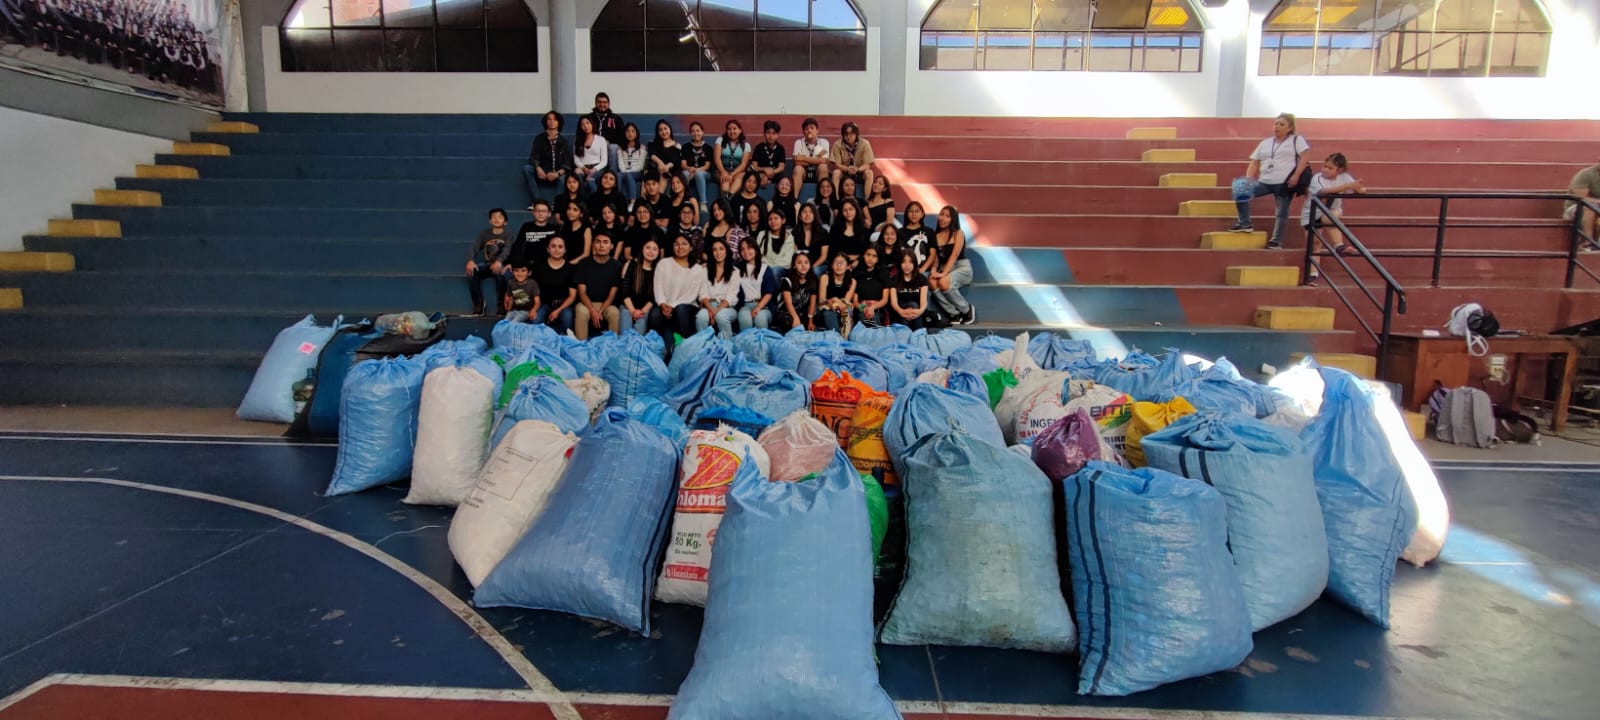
(1111,409)
(510,494)
(1033,404)
(453,422)
(710,460)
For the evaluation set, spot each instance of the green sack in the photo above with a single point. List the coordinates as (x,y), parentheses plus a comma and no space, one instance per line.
(519,373)
(877,513)
(997,382)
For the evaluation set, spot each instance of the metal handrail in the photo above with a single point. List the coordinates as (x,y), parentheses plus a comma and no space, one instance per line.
(1394,296)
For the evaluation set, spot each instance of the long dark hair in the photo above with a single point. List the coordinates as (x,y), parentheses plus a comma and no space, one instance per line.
(815,226)
(922,221)
(630,144)
(711,264)
(727,214)
(955,222)
(732,123)
(655,138)
(888,190)
(636,282)
(859,224)
(581,140)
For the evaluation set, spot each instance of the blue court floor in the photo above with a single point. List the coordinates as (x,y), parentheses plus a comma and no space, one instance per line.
(220,559)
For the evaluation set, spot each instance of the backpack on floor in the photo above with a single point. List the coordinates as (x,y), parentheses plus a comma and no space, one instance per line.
(1466,417)
(1514,427)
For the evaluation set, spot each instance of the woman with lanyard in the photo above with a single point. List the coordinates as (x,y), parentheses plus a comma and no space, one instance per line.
(1275,169)
(951,270)
(630,162)
(732,158)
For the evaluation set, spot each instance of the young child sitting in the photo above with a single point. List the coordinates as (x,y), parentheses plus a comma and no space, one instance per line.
(522,295)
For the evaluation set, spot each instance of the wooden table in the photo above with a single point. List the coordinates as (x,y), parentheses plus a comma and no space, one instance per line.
(1415,361)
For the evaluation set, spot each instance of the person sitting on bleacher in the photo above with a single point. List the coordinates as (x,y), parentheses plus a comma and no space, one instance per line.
(527,246)
(608,124)
(521,299)
(1585,184)
(590,154)
(719,227)
(756,289)
(687,227)
(872,287)
(641,229)
(747,195)
(639,286)
(678,283)
(908,295)
(950,270)
(797,303)
(1275,167)
(810,156)
(549,159)
(889,248)
(575,232)
(784,200)
(678,197)
(916,238)
(487,260)
(557,289)
(810,237)
(571,194)
(599,278)
(825,201)
(660,204)
(852,157)
(611,223)
(606,195)
(663,152)
(732,158)
(695,163)
(879,203)
(1334,178)
(769,162)
(630,161)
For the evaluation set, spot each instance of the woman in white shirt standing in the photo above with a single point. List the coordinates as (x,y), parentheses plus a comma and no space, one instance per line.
(719,297)
(1274,168)
(678,290)
(589,152)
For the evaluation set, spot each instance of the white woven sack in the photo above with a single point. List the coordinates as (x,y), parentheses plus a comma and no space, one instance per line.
(510,494)
(710,460)
(452,435)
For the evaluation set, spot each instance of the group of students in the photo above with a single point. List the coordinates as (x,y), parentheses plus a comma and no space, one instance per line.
(158,40)
(677,237)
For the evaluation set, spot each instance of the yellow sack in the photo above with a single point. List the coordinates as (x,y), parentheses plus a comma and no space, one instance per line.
(1149,417)
(866,449)
(834,398)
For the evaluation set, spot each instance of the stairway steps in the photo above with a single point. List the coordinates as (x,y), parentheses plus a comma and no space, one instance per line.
(10,298)
(166,172)
(1363,366)
(101,377)
(35,261)
(150,330)
(365,294)
(85,227)
(1293,317)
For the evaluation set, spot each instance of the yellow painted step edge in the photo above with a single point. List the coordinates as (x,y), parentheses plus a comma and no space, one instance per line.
(166,172)
(10,298)
(127,198)
(1262,276)
(71,227)
(1417,424)
(1207,208)
(1224,240)
(29,261)
(1363,366)
(1152,133)
(1206,180)
(1168,155)
(233,126)
(1294,317)
(200,148)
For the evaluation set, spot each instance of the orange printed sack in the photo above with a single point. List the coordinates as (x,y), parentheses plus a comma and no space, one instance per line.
(833,401)
(866,449)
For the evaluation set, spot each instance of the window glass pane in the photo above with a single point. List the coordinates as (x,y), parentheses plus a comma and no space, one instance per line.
(1269,61)
(727,14)
(308,14)
(729,50)
(834,15)
(1063,15)
(461,50)
(783,50)
(1048,50)
(1172,15)
(505,14)
(1294,54)
(460,13)
(307,51)
(1110,52)
(1466,14)
(1076,49)
(783,14)
(1005,14)
(411,13)
(1404,15)
(1403,52)
(1122,14)
(1345,54)
(611,51)
(1519,54)
(952,15)
(1190,60)
(1522,15)
(621,15)
(663,14)
(359,13)
(838,50)
(664,51)
(1007,51)
(408,50)
(512,51)
(358,50)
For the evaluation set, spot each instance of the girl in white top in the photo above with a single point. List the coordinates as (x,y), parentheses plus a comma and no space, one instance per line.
(678,289)
(719,297)
(776,243)
(732,157)
(1334,179)
(630,161)
(1274,168)
(589,152)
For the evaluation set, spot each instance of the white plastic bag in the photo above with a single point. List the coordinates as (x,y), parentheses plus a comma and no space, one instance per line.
(593,391)
(510,494)
(452,435)
(1111,410)
(797,446)
(710,460)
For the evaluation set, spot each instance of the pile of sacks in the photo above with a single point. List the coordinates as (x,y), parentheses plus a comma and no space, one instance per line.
(1022,493)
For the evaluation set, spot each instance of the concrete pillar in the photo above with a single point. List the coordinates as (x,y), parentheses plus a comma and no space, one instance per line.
(890,19)
(1231,26)
(563,56)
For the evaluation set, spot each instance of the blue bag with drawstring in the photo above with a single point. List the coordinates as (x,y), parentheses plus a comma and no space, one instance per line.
(926,409)
(1145,378)
(541,397)
(377,436)
(293,353)
(765,389)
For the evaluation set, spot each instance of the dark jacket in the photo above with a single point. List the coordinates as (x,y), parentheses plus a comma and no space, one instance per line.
(547,156)
(610,125)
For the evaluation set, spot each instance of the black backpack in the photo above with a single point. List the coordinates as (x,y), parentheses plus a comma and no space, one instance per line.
(1302,185)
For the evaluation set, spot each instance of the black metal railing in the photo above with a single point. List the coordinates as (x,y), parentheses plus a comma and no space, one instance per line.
(1394,296)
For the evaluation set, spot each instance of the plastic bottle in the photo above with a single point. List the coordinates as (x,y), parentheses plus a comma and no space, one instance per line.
(302,390)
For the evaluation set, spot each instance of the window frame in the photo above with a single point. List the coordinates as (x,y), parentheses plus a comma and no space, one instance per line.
(828,48)
(1075,46)
(292,59)
(1387,43)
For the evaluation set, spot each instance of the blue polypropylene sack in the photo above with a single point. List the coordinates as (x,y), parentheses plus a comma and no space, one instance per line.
(470,343)
(1275,531)
(714,361)
(634,372)
(542,397)
(790,637)
(967,383)
(994,343)
(333,365)
(765,389)
(757,344)
(742,419)
(1242,189)
(1146,378)
(981,560)
(513,337)
(547,357)
(905,363)
(1058,353)
(378,433)
(588,356)
(940,342)
(686,352)
(972,359)
(1366,506)
(1153,588)
(663,419)
(803,338)
(925,409)
(860,363)
(293,353)
(593,550)
(876,337)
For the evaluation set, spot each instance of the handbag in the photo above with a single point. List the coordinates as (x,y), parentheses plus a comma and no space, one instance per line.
(1471,321)
(1302,185)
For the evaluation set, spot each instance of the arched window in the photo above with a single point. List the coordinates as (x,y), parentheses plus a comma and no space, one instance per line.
(409,36)
(1450,38)
(728,35)
(1108,35)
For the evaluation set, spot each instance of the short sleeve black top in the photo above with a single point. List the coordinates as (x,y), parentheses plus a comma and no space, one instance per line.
(554,283)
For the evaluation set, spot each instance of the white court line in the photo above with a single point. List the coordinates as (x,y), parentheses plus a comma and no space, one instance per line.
(619,699)
(519,663)
(168,439)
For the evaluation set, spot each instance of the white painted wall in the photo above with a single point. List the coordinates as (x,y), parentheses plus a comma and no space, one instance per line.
(52,163)
(404,92)
(806,93)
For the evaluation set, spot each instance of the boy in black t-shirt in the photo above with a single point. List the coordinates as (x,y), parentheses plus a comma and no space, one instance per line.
(487,260)
(768,162)
(527,247)
(598,278)
(522,296)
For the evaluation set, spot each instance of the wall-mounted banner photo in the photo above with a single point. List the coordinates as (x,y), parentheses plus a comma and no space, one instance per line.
(165,48)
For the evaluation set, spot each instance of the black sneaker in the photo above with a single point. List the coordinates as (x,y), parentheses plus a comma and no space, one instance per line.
(1241,227)
(1274,245)
(970,316)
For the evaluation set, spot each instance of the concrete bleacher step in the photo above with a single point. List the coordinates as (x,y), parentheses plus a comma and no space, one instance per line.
(1152,133)
(127,198)
(84,227)
(10,298)
(33,261)
(354,293)
(1224,240)
(208,149)
(166,172)
(100,377)
(1196,180)
(1168,155)
(1207,208)
(1364,366)
(1262,276)
(1288,317)
(84,329)
(235,127)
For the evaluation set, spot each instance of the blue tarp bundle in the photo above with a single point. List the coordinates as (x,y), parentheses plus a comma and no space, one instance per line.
(994,343)
(548,357)
(859,362)
(703,367)
(1221,388)
(905,363)
(940,342)
(512,337)
(1058,353)
(541,397)
(875,337)
(765,389)
(968,383)
(663,419)
(378,433)
(972,359)
(757,343)
(635,370)
(926,409)
(1144,377)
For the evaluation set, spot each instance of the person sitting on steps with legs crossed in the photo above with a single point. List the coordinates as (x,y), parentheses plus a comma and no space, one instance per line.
(1585,184)
(521,301)
(1275,168)
(599,280)
(549,159)
(810,156)
(852,157)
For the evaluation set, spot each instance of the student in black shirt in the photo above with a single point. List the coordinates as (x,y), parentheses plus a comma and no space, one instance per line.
(880,203)
(749,195)
(522,295)
(872,289)
(825,201)
(916,238)
(951,270)
(642,229)
(847,191)
(835,295)
(487,260)
(663,152)
(549,159)
(557,289)
(678,196)
(599,279)
(686,227)
(696,162)
(719,229)
(797,303)
(575,231)
(607,123)
(571,194)
(849,235)
(639,286)
(783,199)
(810,237)
(769,158)
(607,195)
(660,204)
(611,223)
(527,247)
(908,295)
(889,249)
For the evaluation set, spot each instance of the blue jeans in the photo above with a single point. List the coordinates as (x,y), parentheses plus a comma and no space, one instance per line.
(830,320)
(1280,197)
(697,182)
(642,325)
(628,182)
(748,320)
(560,322)
(724,321)
(539,189)
(681,321)
(592,183)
